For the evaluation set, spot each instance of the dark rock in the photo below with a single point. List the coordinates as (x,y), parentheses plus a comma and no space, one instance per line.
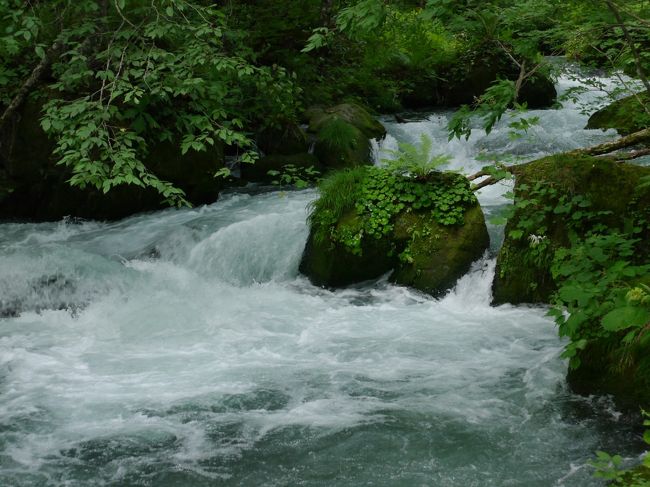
(285,140)
(626,115)
(36,188)
(463,85)
(598,374)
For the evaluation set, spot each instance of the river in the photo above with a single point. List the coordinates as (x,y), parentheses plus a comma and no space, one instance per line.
(183,348)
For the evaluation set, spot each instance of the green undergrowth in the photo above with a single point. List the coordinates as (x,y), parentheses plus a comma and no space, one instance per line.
(362,203)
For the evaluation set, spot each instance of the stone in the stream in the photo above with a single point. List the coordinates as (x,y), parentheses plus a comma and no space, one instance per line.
(626,115)
(564,189)
(560,203)
(426,233)
(342,135)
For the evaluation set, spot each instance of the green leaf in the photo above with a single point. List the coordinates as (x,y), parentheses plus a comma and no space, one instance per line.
(625,317)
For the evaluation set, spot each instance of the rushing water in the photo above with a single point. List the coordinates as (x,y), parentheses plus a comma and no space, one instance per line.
(182,348)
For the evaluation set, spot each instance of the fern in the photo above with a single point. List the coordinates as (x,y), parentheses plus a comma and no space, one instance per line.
(416,161)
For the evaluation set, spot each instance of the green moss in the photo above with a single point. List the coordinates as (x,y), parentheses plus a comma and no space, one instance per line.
(351,113)
(626,115)
(428,262)
(368,222)
(607,188)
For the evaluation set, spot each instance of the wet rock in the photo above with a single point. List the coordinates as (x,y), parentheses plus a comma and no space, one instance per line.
(342,135)
(626,115)
(419,251)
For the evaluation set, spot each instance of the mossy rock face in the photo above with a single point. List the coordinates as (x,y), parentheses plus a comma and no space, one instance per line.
(523,270)
(441,254)
(331,264)
(342,135)
(337,152)
(420,251)
(625,115)
(258,171)
(351,113)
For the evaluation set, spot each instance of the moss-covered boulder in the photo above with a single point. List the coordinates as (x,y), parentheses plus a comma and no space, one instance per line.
(556,199)
(436,255)
(342,135)
(468,78)
(626,115)
(351,113)
(370,221)
(578,239)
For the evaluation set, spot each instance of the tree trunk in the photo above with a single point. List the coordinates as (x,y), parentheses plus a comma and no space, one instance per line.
(32,80)
(326,9)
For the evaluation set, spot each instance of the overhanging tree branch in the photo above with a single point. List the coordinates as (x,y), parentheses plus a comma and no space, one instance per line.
(640,137)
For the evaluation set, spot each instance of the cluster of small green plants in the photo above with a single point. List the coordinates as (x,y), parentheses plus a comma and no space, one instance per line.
(363,202)
(296,176)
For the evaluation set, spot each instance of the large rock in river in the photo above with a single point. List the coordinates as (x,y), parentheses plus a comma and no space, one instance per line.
(426,233)
(558,198)
(578,236)
(342,135)
(626,115)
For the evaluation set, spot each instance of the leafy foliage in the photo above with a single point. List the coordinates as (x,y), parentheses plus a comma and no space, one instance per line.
(292,175)
(139,74)
(609,467)
(415,161)
(377,196)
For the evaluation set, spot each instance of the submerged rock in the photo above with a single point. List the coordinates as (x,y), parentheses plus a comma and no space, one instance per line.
(426,233)
(626,115)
